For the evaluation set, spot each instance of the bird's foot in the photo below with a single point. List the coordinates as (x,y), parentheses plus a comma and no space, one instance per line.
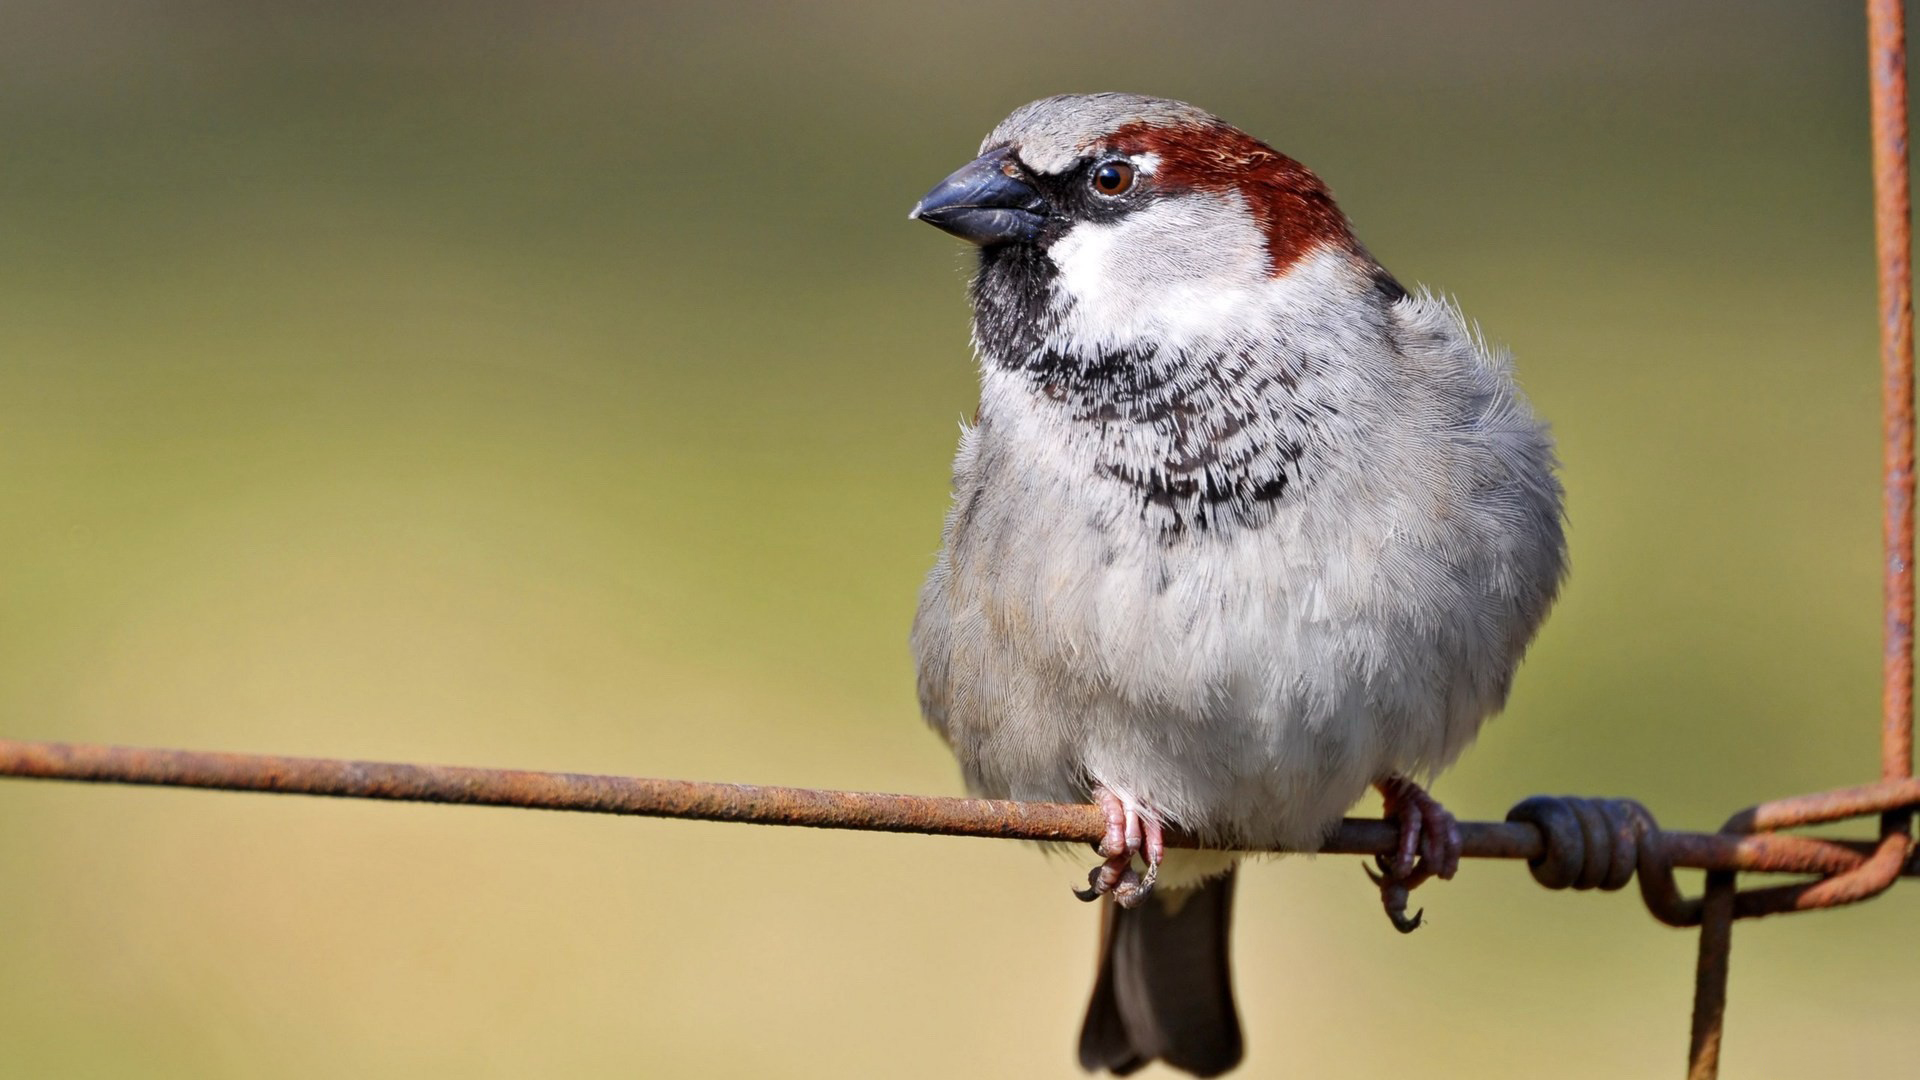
(1428,832)
(1130,833)
(1429,847)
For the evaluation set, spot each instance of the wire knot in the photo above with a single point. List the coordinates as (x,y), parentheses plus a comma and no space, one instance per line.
(1590,843)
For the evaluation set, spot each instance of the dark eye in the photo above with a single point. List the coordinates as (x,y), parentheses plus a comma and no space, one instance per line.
(1113,178)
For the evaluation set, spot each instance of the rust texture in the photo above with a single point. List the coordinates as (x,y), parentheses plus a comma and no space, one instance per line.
(1878,871)
(1825,806)
(1887,67)
(1577,843)
(1568,843)
(549,791)
(1710,977)
(1605,843)
(1894,797)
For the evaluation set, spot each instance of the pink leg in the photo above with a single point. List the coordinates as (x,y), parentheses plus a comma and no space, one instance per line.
(1429,847)
(1129,833)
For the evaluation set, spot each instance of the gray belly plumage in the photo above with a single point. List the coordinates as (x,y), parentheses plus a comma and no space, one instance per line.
(1247,679)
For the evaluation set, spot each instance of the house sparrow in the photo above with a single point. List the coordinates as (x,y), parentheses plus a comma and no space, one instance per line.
(1241,528)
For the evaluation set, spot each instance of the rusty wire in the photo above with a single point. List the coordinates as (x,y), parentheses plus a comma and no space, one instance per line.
(1724,902)
(1892,218)
(1567,842)
(1558,842)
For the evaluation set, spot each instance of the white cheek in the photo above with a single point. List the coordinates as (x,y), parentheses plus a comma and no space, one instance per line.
(1083,257)
(1171,272)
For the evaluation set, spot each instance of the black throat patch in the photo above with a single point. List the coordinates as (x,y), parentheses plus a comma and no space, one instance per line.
(1204,441)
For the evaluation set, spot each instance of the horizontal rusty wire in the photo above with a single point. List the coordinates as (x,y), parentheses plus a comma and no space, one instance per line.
(1544,845)
(1825,806)
(1892,800)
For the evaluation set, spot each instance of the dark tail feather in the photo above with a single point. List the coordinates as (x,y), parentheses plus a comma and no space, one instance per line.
(1165,988)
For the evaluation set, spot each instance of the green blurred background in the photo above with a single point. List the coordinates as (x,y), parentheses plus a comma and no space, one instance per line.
(562,386)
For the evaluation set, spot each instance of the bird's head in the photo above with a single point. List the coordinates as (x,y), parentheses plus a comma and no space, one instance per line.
(1137,220)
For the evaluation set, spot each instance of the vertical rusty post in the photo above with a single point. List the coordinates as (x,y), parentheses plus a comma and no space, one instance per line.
(1887,67)
(1887,64)
(1710,976)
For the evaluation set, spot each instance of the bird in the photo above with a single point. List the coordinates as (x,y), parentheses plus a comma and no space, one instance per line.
(1241,528)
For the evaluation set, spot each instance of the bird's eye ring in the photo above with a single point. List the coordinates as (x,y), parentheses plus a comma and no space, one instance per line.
(1113,178)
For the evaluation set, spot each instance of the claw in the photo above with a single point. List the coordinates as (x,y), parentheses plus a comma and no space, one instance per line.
(1429,846)
(1134,888)
(1129,833)
(1394,894)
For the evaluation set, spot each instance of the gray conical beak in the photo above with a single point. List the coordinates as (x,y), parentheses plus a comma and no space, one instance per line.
(987,201)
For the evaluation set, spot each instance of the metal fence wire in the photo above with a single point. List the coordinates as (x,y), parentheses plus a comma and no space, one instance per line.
(1568,842)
